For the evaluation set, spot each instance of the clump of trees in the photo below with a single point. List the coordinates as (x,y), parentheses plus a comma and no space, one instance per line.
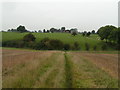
(111,34)
(87,34)
(20,29)
(108,32)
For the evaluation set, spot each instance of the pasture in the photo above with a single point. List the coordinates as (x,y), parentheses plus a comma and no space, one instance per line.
(67,38)
(58,69)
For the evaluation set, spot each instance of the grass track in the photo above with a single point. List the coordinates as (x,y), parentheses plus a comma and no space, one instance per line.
(68,69)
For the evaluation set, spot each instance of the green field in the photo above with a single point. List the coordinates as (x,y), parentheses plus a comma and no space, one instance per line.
(93,40)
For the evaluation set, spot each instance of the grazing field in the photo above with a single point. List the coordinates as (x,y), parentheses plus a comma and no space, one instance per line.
(58,69)
(93,40)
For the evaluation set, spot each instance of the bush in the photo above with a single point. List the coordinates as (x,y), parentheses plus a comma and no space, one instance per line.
(10,44)
(87,46)
(42,45)
(104,47)
(29,37)
(49,44)
(94,48)
(76,46)
(55,45)
(66,46)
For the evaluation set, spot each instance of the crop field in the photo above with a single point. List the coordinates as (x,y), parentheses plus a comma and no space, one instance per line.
(58,69)
(64,37)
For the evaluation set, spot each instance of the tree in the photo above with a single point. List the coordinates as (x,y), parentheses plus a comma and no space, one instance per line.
(35,31)
(29,37)
(48,31)
(40,31)
(88,34)
(52,30)
(83,34)
(93,31)
(21,29)
(118,36)
(113,35)
(44,30)
(62,29)
(104,32)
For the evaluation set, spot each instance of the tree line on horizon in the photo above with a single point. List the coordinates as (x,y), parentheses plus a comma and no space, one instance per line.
(22,29)
(110,34)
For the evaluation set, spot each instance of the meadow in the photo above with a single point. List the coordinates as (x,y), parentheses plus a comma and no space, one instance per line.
(58,69)
(67,38)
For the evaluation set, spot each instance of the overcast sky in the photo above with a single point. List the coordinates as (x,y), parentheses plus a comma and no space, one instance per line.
(44,14)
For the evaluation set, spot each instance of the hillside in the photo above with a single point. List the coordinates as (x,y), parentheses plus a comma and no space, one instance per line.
(93,40)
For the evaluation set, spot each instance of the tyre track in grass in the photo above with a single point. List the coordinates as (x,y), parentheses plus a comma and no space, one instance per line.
(68,71)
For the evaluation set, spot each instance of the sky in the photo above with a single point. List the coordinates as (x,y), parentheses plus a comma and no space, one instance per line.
(85,15)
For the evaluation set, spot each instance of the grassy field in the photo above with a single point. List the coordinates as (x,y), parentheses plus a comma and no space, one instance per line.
(64,37)
(58,69)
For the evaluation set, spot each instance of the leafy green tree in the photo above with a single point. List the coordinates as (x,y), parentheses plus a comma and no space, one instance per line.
(104,32)
(52,30)
(62,29)
(93,31)
(29,37)
(21,29)
(113,35)
(83,34)
(88,34)
(44,31)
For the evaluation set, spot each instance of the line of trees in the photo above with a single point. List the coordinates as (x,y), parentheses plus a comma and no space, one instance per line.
(22,29)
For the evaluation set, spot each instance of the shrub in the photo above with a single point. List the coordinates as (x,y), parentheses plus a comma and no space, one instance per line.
(66,46)
(29,37)
(9,44)
(55,44)
(104,47)
(49,44)
(43,44)
(87,46)
(95,47)
(76,46)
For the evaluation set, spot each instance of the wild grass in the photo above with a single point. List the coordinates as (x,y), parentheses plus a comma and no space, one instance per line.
(54,69)
(87,75)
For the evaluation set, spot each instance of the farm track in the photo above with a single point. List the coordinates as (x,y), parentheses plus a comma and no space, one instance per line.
(58,69)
